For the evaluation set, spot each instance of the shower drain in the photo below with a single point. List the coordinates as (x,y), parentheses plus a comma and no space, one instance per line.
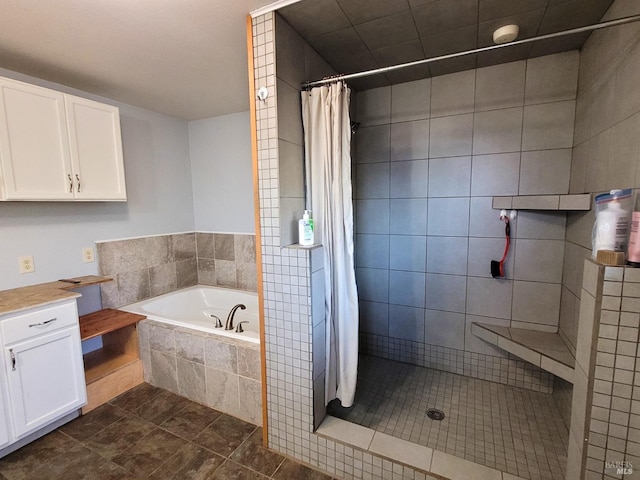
(435,414)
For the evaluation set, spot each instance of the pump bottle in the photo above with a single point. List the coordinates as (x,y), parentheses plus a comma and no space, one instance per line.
(305,229)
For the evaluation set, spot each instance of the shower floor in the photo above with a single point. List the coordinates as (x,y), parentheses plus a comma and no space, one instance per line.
(507,428)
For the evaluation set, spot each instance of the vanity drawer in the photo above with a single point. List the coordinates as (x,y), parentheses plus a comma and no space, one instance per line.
(26,325)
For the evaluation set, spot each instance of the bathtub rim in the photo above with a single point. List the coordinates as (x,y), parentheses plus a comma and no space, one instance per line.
(230,335)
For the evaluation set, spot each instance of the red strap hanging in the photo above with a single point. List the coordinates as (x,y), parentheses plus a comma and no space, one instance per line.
(497,267)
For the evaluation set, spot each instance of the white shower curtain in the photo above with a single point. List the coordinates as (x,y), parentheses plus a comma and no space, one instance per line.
(327,138)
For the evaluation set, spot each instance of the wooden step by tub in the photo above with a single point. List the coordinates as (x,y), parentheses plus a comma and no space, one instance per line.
(116,367)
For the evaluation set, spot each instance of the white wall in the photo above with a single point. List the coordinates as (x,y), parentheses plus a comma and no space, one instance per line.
(222,177)
(160,200)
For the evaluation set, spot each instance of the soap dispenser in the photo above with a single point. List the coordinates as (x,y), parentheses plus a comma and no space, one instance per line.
(305,229)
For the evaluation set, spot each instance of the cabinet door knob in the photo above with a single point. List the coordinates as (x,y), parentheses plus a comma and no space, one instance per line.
(78,180)
(70,183)
(13,359)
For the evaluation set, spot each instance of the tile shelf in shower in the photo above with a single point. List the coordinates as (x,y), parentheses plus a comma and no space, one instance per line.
(543,349)
(564,203)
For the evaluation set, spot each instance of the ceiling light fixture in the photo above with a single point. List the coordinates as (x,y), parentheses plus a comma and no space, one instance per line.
(506,34)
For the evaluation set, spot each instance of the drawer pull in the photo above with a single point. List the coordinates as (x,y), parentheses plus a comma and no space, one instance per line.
(13,359)
(42,323)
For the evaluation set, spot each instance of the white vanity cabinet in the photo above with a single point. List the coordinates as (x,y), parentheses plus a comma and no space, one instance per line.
(42,357)
(55,146)
(6,434)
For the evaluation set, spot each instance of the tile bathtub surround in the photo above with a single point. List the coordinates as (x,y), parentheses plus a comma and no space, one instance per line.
(213,370)
(227,260)
(145,267)
(425,227)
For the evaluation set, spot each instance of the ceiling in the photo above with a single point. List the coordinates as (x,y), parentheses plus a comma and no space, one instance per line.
(185,58)
(358,35)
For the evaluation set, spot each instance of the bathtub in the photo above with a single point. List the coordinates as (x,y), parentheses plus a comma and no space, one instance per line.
(194,307)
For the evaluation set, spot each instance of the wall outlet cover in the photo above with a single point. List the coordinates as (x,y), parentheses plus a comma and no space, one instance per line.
(26,264)
(88,255)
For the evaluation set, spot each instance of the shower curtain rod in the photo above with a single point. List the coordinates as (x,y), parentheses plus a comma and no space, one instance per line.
(588,28)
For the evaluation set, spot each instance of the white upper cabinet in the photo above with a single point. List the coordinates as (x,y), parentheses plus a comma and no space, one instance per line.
(34,143)
(55,146)
(96,149)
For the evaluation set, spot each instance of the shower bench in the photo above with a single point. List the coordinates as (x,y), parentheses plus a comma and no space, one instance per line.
(545,350)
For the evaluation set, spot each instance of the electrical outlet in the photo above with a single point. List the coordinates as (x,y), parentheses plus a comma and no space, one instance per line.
(26,264)
(87,255)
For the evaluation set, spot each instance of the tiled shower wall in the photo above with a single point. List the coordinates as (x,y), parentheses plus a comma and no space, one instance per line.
(287,284)
(290,73)
(604,439)
(430,155)
(149,266)
(614,424)
(606,141)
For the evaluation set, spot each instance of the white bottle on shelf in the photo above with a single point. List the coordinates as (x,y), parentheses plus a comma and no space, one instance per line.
(612,222)
(305,229)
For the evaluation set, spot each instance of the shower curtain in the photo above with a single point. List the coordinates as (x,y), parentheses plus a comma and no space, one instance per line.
(327,139)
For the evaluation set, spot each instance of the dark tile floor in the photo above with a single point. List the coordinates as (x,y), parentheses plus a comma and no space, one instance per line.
(150,433)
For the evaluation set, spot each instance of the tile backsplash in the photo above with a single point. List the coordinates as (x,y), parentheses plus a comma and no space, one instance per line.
(145,267)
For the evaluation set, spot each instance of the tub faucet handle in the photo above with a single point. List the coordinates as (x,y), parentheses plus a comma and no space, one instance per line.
(239,328)
(217,319)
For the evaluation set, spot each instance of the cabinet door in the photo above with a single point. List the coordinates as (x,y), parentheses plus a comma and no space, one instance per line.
(34,143)
(6,435)
(46,379)
(96,149)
